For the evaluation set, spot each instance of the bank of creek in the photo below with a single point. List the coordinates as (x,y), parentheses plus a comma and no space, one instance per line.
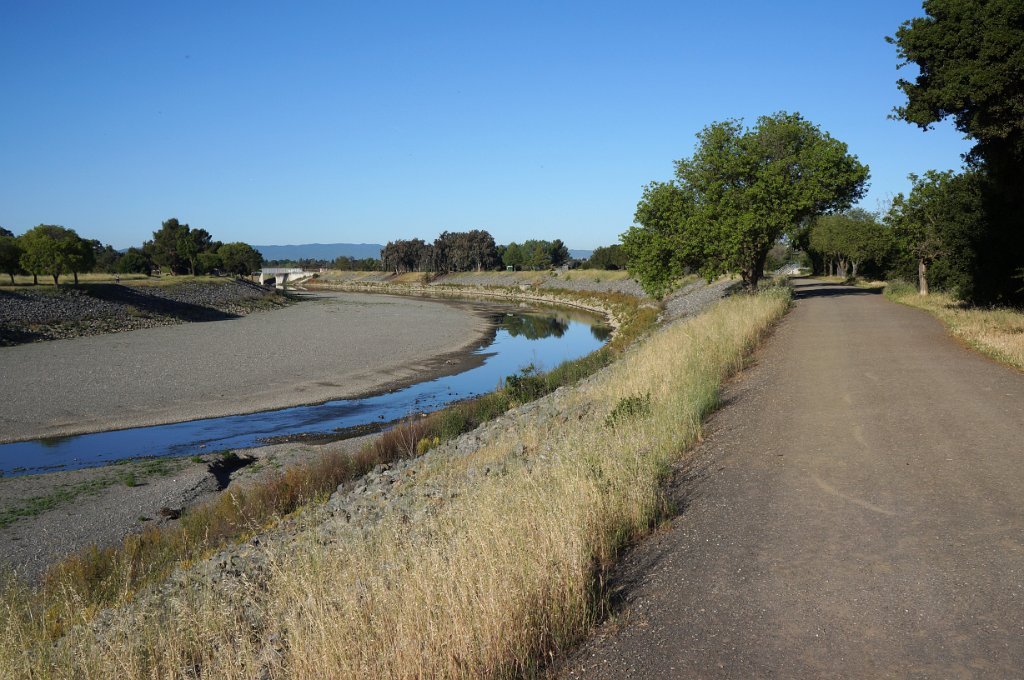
(166,467)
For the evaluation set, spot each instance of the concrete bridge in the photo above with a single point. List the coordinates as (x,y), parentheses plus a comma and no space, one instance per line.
(282,275)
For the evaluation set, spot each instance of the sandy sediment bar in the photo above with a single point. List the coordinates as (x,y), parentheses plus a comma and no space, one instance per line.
(336,345)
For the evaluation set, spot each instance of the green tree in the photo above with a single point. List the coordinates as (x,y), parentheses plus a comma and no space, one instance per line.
(512,256)
(558,253)
(410,255)
(970,60)
(825,240)
(10,255)
(209,262)
(739,193)
(240,258)
(940,223)
(54,250)
(163,249)
(135,261)
(657,252)
(191,244)
(82,257)
(607,257)
(105,257)
(849,239)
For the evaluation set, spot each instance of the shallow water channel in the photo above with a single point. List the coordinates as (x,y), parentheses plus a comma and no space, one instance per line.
(521,338)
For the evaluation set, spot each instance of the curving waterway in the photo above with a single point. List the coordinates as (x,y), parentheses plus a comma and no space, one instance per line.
(521,338)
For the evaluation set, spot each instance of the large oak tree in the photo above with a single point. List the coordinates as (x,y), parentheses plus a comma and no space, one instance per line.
(742,189)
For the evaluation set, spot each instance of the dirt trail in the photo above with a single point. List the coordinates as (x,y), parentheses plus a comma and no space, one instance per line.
(857,510)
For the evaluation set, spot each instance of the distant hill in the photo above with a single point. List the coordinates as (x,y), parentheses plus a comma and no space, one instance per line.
(320,251)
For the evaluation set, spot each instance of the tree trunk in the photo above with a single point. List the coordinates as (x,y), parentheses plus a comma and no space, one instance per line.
(854,269)
(922,277)
(841,268)
(12,278)
(35,279)
(55,278)
(752,275)
(76,278)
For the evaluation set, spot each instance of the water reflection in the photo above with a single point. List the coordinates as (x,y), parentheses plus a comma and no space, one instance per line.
(520,338)
(534,327)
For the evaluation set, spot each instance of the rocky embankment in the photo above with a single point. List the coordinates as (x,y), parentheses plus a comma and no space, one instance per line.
(33,314)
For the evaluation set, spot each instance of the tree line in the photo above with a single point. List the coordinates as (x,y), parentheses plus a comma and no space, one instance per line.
(784,181)
(470,251)
(55,251)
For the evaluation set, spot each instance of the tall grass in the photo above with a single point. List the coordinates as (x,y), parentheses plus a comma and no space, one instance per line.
(995,331)
(498,574)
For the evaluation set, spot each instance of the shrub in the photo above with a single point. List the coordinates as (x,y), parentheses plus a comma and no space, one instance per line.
(629,408)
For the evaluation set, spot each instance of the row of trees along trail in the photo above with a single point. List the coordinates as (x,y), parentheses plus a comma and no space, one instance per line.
(470,251)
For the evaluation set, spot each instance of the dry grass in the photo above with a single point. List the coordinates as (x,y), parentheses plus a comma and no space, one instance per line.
(997,332)
(74,589)
(497,574)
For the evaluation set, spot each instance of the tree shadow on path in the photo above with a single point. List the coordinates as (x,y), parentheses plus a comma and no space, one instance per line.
(818,290)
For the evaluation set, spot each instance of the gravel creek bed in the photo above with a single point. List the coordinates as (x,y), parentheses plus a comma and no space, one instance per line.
(43,313)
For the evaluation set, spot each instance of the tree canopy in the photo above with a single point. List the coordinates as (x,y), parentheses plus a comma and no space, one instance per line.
(407,256)
(54,250)
(736,196)
(178,246)
(239,258)
(849,239)
(607,257)
(970,57)
(970,60)
(461,251)
(939,224)
(535,254)
(10,255)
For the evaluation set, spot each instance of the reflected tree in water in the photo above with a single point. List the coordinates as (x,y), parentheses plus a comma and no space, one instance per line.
(534,327)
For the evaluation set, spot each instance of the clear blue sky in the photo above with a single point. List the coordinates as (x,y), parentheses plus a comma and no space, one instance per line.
(275,122)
